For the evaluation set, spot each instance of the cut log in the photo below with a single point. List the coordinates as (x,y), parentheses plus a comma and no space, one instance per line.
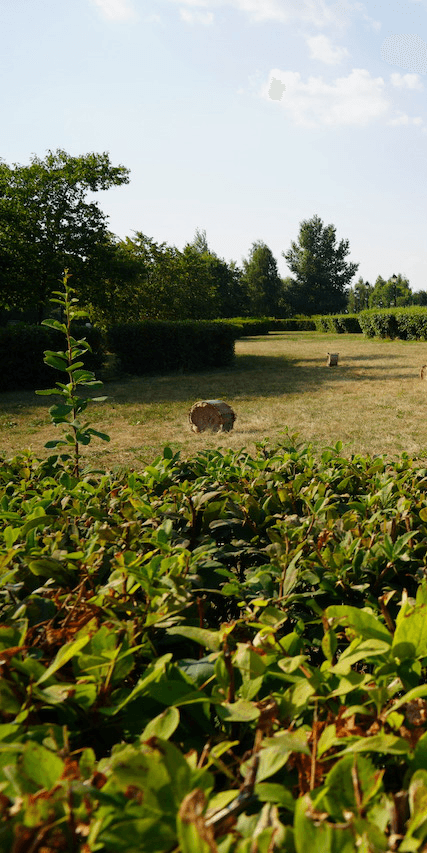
(214,415)
(332,360)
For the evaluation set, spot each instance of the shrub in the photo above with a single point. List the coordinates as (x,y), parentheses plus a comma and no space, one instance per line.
(404,323)
(248,326)
(338,323)
(156,346)
(293,324)
(22,348)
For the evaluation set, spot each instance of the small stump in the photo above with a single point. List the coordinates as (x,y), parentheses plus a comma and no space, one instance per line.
(214,415)
(332,359)
(423,372)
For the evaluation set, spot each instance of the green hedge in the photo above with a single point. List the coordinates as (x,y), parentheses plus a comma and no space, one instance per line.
(293,324)
(22,350)
(156,346)
(248,326)
(338,323)
(404,323)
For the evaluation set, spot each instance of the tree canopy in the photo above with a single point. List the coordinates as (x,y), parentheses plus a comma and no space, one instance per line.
(48,225)
(321,271)
(264,285)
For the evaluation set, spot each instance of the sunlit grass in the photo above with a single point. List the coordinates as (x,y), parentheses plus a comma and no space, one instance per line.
(373,401)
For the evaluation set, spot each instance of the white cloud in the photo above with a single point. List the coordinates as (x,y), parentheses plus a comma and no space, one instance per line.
(115,10)
(318,13)
(196,17)
(321,48)
(353,100)
(407,81)
(404,119)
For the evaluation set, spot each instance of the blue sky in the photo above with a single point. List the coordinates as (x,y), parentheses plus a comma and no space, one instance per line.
(240,117)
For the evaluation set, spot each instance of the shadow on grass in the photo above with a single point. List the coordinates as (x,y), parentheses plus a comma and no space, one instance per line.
(251,376)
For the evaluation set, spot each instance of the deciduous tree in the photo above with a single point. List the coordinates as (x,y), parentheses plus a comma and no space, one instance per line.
(321,271)
(47,224)
(264,285)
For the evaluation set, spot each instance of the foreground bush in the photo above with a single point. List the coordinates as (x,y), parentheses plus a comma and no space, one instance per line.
(21,354)
(157,346)
(227,653)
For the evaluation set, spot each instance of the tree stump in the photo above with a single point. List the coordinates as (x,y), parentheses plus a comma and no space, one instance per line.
(214,415)
(332,359)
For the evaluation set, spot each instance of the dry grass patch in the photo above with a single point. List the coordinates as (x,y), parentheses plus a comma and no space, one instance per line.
(373,401)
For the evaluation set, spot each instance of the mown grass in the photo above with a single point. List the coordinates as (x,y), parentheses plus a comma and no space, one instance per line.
(373,401)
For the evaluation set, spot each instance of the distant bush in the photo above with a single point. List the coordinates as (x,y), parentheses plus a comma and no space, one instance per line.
(404,323)
(22,351)
(157,346)
(248,326)
(338,323)
(293,324)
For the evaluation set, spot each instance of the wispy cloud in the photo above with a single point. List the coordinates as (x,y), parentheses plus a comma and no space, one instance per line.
(321,48)
(355,100)
(115,10)
(318,13)
(407,81)
(196,17)
(404,119)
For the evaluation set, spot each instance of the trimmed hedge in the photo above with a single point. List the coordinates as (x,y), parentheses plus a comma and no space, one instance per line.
(293,324)
(156,346)
(248,326)
(405,323)
(22,350)
(338,323)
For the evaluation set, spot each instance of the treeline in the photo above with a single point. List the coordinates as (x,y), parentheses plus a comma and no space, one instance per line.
(394,292)
(48,224)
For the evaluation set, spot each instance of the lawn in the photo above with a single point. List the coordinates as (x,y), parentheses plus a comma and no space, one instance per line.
(373,401)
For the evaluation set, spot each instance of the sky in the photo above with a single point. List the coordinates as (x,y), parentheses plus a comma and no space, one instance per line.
(238,117)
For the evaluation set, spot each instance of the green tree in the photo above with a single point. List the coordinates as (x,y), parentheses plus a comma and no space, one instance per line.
(391,293)
(419,297)
(321,271)
(118,292)
(48,225)
(229,291)
(264,285)
(358,296)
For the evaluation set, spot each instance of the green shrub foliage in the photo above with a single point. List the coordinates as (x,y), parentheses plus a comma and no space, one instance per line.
(294,324)
(21,354)
(248,326)
(404,323)
(215,650)
(338,323)
(157,346)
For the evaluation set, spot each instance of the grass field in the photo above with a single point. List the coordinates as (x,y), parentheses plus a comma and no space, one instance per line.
(373,401)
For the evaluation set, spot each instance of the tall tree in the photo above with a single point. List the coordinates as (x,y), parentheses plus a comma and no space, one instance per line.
(230,293)
(261,277)
(321,272)
(359,296)
(47,224)
(391,293)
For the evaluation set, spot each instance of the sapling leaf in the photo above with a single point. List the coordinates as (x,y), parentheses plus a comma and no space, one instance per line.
(63,656)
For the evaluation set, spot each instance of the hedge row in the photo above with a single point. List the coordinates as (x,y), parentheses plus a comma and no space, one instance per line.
(155,346)
(338,323)
(408,324)
(248,326)
(21,354)
(293,324)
